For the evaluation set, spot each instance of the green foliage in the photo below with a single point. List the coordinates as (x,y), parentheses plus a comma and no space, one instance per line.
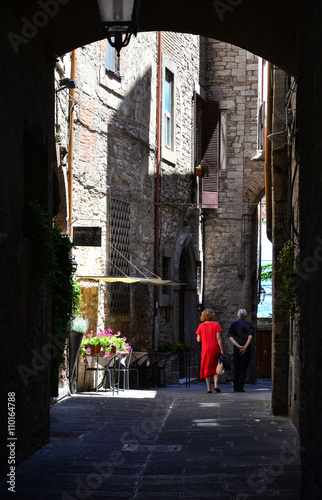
(38,227)
(52,253)
(266,272)
(78,303)
(205,167)
(174,347)
(288,270)
(108,341)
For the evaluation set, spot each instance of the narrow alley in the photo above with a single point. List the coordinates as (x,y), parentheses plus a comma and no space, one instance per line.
(175,442)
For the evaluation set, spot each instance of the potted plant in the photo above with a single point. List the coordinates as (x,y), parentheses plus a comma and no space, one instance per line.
(180,348)
(79,327)
(107,342)
(202,169)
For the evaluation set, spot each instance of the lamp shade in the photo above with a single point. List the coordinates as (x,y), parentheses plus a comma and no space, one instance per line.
(118,18)
(118,15)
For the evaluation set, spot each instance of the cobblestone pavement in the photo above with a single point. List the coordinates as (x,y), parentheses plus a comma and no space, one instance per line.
(174,442)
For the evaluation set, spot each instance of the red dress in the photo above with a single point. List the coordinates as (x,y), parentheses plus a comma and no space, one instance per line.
(210,349)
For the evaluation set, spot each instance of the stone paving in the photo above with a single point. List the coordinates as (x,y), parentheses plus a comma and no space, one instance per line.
(174,442)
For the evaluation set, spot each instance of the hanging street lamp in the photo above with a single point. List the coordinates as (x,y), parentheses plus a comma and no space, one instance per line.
(119,20)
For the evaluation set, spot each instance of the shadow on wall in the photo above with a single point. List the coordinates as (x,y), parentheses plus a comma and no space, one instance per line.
(131,213)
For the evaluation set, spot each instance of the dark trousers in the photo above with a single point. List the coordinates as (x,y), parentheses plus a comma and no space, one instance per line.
(241,362)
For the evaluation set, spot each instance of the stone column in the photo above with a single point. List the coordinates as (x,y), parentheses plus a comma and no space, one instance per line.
(281,234)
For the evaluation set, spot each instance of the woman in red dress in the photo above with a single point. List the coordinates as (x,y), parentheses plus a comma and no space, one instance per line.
(209,334)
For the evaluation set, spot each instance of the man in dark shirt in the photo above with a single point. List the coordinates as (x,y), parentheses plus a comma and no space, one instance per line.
(241,333)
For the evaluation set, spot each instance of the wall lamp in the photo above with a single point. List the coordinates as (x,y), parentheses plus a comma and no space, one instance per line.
(74,265)
(119,20)
(67,83)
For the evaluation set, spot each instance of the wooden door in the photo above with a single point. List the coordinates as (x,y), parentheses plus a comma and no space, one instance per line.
(264,353)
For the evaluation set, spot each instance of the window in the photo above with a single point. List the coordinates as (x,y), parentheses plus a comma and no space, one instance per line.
(112,61)
(168,109)
(170,93)
(120,255)
(223,140)
(260,141)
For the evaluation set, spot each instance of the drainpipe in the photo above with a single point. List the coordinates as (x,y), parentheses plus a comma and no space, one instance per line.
(157,188)
(71,145)
(268,150)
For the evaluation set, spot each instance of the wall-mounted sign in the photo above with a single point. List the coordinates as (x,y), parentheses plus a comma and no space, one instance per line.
(87,236)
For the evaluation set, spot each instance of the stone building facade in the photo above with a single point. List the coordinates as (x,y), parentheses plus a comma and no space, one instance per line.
(206,229)
(286,362)
(115,179)
(230,231)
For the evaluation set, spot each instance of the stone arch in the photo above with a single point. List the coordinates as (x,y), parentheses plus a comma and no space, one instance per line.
(232,21)
(185,270)
(256,190)
(184,244)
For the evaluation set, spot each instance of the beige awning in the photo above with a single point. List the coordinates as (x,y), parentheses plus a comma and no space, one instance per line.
(130,279)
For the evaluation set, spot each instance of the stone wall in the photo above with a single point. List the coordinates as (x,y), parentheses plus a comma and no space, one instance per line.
(281,234)
(230,241)
(115,159)
(27,173)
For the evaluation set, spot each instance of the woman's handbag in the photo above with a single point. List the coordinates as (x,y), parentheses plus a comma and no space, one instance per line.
(225,363)
(222,366)
(220,370)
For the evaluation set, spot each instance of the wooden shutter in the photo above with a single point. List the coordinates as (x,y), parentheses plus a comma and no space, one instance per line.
(210,153)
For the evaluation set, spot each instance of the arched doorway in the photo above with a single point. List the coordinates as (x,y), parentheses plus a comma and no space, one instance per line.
(185,269)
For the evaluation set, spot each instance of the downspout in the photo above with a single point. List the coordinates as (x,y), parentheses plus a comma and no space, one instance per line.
(71,145)
(157,189)
(268,151)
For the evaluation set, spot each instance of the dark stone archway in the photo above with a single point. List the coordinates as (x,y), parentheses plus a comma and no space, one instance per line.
(33,34)
(266,28)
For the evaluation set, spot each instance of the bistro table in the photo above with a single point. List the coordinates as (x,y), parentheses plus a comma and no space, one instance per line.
(150,364)
(110,364)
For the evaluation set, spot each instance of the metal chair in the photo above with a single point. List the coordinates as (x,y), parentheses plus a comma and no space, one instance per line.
(139,367)
(151,368)
(160,367)
(111,369)
(125,359)
(112,365)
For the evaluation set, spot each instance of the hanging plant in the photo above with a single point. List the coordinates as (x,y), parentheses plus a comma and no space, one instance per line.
(202,169)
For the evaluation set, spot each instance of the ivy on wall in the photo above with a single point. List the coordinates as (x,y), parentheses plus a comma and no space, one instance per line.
(288,270)
(52,253)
